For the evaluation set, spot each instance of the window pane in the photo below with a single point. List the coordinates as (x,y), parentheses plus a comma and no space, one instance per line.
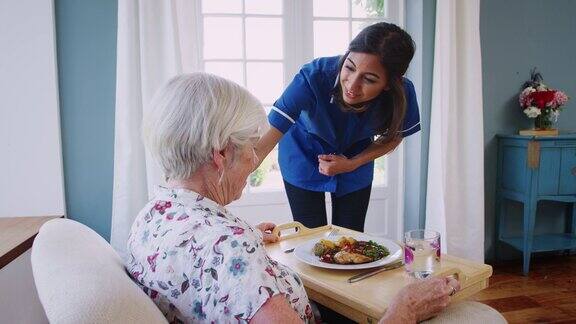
(222,6)
(368,8)
(265,7)
(267,177)
(330,38)
(222,38)
(265,80)
(330,8)
(229,70)
(380,177)
(357,26)
(264,38)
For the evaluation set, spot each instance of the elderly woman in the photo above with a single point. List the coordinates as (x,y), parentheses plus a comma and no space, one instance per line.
(197,261)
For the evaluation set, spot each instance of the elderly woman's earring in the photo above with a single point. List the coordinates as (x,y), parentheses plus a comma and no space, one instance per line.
(221,177)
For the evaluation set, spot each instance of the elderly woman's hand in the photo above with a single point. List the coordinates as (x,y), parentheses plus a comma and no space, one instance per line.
(266,229)
(421,300)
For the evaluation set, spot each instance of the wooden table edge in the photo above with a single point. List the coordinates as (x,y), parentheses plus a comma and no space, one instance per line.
(362,314)
(23,246)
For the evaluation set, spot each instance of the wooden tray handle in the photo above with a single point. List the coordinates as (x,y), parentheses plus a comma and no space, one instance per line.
(299,228)
(456,273)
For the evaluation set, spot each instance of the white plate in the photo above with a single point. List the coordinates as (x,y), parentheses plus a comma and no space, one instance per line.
(304,253)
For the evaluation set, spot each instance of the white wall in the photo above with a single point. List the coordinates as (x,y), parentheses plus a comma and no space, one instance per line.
(31,182)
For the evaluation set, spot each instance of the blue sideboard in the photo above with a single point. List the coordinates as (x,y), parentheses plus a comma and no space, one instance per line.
(531,169)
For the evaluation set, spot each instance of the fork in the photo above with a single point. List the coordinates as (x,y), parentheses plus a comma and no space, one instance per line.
(332,233)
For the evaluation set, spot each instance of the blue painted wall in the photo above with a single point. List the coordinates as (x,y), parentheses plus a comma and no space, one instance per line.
(420,23)
(86,49)
(428,34)
(517,35)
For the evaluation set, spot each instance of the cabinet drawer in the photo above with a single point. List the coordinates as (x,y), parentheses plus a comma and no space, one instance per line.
(568,172)
(513,168)
(549,171)
(569,143)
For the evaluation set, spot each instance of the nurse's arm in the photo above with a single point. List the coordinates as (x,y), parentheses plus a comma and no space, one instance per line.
(267,143)
(373,152)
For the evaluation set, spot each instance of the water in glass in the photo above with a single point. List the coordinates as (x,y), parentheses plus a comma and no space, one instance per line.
(421,253)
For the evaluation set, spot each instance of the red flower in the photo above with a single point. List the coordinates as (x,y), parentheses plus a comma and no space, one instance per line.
(270,272)
(152,261)
(161,206)
(541,98)
(308,311)
(237,230)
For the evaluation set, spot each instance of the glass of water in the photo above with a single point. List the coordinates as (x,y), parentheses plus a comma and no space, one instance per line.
(421,253)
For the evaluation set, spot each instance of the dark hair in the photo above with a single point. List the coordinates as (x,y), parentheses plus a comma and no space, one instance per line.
(395,48)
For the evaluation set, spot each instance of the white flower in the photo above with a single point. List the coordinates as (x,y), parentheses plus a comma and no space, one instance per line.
(532,112)
(523,99)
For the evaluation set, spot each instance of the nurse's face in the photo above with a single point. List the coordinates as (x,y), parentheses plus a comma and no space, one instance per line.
(362,78)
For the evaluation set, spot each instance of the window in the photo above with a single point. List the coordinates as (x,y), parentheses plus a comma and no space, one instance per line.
(261,44)
(243,41)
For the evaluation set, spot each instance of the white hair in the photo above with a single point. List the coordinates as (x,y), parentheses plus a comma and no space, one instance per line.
(195,113)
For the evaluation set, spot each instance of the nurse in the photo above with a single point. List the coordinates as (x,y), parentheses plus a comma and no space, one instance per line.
(335,118)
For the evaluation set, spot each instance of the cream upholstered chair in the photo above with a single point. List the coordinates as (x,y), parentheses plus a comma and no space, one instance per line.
(81,279)
(468,312)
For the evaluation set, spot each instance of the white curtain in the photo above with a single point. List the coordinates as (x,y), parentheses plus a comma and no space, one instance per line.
(455,191)
(156,40)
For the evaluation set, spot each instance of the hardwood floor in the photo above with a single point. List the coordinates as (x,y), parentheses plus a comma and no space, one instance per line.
(546,295)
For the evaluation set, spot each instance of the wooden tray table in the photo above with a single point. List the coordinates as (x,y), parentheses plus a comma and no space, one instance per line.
(364,301)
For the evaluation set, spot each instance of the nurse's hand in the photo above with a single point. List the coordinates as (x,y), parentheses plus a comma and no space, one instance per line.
(331,165)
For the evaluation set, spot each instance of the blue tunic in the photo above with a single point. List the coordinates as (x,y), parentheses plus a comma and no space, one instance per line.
(314,125)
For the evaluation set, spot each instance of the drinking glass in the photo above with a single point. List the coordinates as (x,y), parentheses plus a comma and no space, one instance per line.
(421,253)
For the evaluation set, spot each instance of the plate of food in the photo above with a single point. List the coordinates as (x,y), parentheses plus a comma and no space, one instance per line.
(348,252)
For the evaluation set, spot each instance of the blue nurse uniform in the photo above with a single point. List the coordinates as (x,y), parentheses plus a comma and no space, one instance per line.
(314,124)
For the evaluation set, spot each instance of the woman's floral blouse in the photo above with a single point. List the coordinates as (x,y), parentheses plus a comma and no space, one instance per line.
(200,264)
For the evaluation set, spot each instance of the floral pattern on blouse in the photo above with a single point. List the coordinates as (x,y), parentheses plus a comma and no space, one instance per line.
(201,264)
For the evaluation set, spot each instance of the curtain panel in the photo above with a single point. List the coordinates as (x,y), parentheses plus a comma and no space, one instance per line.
(455,184)
(156,41)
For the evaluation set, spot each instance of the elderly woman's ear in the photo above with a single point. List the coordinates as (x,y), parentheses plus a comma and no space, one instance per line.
(219,159)
(223,157)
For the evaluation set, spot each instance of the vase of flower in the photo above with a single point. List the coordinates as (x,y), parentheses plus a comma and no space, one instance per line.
(541,103)
(543,121)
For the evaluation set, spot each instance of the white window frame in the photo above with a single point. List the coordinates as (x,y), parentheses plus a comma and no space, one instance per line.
(298,18)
